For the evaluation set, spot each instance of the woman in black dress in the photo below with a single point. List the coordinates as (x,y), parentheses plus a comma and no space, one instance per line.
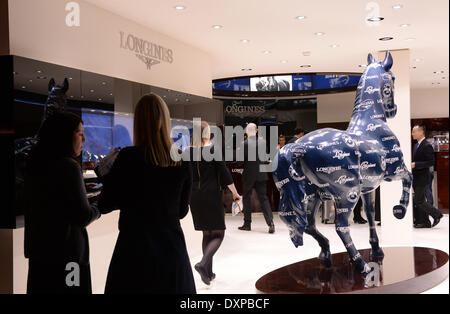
(57,210)
(152,192)
(206,200)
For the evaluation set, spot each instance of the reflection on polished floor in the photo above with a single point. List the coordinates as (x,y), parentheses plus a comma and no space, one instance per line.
(245,257)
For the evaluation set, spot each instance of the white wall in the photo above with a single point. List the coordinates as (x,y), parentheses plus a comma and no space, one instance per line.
(425,103)
(429,103)
(38,30)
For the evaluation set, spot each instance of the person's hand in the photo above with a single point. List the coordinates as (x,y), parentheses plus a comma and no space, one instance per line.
(413,165)
(236,197)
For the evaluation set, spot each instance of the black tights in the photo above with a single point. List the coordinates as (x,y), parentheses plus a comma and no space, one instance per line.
(211,243)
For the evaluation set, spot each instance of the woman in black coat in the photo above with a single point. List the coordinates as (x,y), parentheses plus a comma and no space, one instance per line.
(152,192)
(206,200)
(57,210)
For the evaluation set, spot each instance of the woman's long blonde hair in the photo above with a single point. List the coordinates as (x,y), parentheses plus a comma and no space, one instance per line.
(152,129)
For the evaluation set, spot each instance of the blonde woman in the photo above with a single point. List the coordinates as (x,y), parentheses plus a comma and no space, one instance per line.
(206,200)
(152,192)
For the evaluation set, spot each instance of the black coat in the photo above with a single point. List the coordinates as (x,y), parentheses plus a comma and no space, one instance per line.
(424,159)
(252,173)
(150,254)
(57,213)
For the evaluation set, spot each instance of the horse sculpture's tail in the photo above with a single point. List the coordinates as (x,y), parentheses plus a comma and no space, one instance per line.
(291,186)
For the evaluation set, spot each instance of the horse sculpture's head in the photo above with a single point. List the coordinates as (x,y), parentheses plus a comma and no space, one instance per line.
(386,81)
(57,99)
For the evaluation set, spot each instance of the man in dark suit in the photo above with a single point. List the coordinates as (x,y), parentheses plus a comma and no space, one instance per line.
(298,133)
(253,178)
(423,159)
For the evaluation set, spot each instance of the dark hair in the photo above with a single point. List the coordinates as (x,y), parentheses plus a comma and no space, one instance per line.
(55,138)
(298,131)
(423,128)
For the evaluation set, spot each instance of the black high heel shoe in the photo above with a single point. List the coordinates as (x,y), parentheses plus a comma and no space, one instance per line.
(203,274)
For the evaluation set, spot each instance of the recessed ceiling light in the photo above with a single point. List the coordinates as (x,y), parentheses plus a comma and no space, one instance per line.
(245,41)
(386,38)
(111,94)
(319,33)
(375,19)
(71,96)
(418,60)
(414,68)
(23,87)
(180,7)
(405,25)
(397,6)
(306,53)
(103,83)
(176,99)
(283,61)
(301,17)
(39,71)
(82,96)
(31,81)
(266,52)
(41,77)
(217,26)
(100,99)
(187,100)
(92,91)
(334,46)
(305,66)
(70,78)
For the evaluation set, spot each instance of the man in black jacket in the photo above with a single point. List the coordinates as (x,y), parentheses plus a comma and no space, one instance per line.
(253,178)
(298,133)
(423,159)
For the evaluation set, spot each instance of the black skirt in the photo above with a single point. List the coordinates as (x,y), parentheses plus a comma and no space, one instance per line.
(207,210)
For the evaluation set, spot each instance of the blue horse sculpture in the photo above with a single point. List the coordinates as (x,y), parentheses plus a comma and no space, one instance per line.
(330,164)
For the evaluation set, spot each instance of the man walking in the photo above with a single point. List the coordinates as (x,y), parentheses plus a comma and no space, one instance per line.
(423,159)
(253,178)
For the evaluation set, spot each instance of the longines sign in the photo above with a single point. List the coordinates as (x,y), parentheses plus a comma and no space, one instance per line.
(149,53)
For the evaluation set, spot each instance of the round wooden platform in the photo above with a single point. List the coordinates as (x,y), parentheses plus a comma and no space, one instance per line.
(402,270)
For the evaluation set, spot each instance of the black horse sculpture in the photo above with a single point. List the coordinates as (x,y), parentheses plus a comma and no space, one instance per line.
(56,102)
(330,164)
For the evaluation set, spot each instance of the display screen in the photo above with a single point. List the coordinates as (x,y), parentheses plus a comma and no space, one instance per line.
(301,82)
(271,84)
(237,85)
(335,81)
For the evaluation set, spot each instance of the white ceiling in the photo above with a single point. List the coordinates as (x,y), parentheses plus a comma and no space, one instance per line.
(271,25)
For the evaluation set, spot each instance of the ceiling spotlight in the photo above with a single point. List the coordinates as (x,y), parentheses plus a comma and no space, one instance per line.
(217,26)
(23,87)
(319,33)
(100,99)
(180,7)
(334,46)
(92,91)
(103,83)
(301,17)
(386,38)
(39,71)
(245,41)
(397,6)
(375,19)
(405,25)
(266,52)
(305,66)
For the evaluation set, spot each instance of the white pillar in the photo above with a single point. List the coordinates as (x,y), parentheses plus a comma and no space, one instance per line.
(393,231)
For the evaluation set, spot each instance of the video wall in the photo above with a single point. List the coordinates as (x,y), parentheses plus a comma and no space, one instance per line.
(288,83)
